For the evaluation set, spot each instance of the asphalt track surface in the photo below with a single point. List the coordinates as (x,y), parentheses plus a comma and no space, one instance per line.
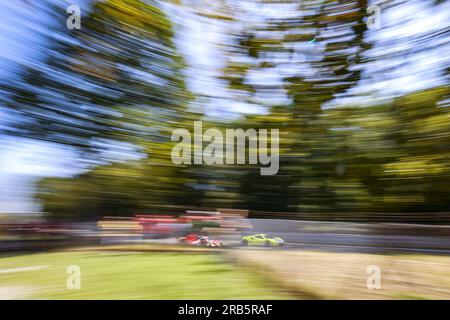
(357,237)
(380,238)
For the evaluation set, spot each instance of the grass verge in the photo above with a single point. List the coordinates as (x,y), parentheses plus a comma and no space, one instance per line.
(130,275)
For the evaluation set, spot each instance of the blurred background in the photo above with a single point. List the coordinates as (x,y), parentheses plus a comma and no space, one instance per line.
(86,117)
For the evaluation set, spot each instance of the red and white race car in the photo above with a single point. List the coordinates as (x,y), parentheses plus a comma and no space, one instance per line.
(201,240)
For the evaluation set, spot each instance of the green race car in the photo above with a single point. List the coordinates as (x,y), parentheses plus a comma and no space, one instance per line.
(262,239)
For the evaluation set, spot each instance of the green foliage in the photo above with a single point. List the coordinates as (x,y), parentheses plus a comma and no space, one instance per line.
(121,80)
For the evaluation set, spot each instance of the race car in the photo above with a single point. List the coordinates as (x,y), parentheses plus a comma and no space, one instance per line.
(201,240)
(262,239)
(214,243)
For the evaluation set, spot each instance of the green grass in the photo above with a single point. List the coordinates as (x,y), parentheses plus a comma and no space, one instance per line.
(112,275)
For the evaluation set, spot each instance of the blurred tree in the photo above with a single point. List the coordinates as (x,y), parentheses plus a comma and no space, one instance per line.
(294,65)
(117,80)
(336,157)
(99,83)
(120,79)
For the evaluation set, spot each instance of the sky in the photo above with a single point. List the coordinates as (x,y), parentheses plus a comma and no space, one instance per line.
(22,28)
(23,162)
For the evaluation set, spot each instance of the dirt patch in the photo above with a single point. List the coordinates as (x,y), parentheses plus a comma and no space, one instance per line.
(324,275)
